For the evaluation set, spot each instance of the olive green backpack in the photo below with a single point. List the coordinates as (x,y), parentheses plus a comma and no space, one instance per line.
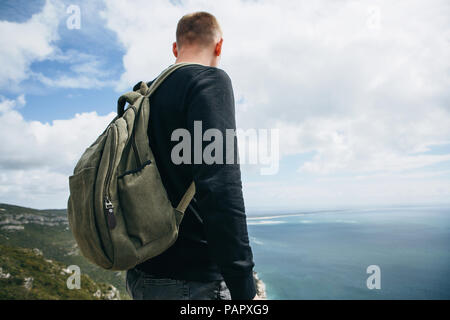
(118,208)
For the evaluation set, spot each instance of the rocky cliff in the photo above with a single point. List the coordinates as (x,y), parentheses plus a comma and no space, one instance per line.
(260,287)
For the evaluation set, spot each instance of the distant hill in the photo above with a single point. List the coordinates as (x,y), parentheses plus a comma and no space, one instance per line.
(48,231)
(26,274)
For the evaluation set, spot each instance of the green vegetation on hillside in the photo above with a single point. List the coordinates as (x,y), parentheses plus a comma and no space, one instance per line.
(26,274)
(48,231)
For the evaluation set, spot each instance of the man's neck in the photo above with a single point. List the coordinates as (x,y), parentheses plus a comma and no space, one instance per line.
(195,57)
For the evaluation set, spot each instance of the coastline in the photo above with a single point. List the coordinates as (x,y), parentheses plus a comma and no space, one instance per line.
(260,287)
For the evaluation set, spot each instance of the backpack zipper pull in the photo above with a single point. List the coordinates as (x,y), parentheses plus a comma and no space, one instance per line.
(109,210)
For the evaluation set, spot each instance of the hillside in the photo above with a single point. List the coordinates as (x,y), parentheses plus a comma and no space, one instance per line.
(48,231)
(27,274)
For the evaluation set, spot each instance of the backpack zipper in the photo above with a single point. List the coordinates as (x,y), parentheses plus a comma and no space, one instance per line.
(109,207)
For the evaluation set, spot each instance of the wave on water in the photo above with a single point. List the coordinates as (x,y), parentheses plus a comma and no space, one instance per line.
(275,217)
(265,222)
(280,219)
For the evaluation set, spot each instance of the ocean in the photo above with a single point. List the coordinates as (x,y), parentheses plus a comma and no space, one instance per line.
(325,255)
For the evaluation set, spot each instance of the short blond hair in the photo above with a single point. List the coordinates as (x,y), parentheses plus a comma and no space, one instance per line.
(199,28)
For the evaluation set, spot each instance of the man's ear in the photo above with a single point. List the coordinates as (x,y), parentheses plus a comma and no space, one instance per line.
(218,49)
(175,49)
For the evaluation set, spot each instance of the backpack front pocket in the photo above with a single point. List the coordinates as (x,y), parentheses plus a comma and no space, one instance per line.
(147,211)
(81,214)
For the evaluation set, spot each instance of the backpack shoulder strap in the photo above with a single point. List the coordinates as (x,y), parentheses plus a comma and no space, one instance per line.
(163,75)
(132,96)
(187,198)
(144,90)
(190,192)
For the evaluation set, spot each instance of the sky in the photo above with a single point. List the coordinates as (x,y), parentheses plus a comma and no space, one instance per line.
(359,91)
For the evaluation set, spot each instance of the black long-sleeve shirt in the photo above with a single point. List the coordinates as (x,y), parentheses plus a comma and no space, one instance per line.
(213,241)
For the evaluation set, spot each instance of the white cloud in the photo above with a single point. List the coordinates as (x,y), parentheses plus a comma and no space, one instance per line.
(81,81)
(364,94)
(365,97)
(23,43)
(36,158)
(85,71)
(146,30)
(37,40)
